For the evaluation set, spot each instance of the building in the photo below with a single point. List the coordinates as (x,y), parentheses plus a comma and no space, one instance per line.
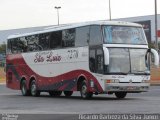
(148,23)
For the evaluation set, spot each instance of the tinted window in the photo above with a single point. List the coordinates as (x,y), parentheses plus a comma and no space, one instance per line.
(82,36)
(92,60)
(96,60)
(56,39)
(99,58)
(18,45)
(9,46)
(29,43)
(44,41)
(68,38)
(23,44)
(95,35)
(14,45)
(33,43)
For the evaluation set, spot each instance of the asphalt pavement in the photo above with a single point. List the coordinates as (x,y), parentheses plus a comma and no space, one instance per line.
(12,102)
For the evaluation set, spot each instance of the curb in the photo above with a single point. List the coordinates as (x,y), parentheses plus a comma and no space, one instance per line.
(155,83)
(2,83)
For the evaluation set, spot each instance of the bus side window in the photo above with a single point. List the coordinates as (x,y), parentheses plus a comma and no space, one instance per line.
(13,45)
(82,36)
(33,44)
(55,39)
(23,44)
(9,47)
(68,38)
(95,35)
(17,45)
(92,60)
(44,40)
(96,60)
(99,61)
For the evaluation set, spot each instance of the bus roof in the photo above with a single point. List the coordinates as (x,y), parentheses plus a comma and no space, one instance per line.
(74,25)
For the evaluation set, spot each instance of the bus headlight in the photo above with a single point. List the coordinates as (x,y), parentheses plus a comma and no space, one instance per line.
(116,81)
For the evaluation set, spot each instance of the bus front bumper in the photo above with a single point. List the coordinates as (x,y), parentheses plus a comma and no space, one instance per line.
(127,87)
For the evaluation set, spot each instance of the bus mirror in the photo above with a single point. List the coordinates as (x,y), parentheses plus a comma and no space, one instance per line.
(106,56)
(155,56)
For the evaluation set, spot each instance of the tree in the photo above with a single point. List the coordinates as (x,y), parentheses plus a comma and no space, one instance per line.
(3,48)
(151,45)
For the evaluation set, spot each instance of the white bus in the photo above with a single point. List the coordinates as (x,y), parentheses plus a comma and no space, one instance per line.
(93,58)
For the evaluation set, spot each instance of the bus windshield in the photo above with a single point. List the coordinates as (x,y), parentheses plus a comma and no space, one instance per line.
(125,61)
(124,35)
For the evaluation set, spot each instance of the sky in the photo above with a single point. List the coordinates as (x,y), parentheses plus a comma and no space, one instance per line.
(16,14)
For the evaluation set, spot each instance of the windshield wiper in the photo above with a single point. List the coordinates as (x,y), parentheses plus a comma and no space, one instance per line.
(142,73)
(119,73)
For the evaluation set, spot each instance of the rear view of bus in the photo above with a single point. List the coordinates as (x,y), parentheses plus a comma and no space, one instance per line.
(102,57)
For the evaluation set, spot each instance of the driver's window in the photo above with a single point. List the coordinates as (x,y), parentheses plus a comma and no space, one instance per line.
(96,60)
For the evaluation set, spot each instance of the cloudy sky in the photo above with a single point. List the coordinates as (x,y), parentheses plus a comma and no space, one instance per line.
(31,13)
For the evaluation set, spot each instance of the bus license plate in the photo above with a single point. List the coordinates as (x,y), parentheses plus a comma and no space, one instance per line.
(131,88)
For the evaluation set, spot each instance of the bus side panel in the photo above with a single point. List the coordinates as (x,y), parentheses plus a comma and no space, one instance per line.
(51,75)
(16,70)
(11,80)
(68,82)
(59,69)
(13,74)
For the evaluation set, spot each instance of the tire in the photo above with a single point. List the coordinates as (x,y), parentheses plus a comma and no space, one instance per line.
(68,93)
(120,95)
(24,90)
(33,88)
(83,91)
(55,93)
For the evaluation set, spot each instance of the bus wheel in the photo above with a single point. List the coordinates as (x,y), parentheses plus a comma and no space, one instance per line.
(55,93)
(68,93)
(83,91)
(34,91)
(120,94)
(24,90)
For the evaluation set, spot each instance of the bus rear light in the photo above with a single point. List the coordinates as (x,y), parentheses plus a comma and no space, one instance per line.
(108,81)
(112,81)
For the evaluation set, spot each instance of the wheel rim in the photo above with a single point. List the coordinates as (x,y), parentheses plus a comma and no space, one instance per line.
(84,90)
(23,89)
(33,89)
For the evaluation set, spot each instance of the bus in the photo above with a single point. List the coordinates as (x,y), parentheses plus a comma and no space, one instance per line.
(100,57)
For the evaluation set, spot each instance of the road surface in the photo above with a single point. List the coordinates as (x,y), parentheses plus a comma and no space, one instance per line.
(12,102)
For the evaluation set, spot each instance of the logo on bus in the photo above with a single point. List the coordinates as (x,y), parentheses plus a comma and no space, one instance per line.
(46,57)
(72,54)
